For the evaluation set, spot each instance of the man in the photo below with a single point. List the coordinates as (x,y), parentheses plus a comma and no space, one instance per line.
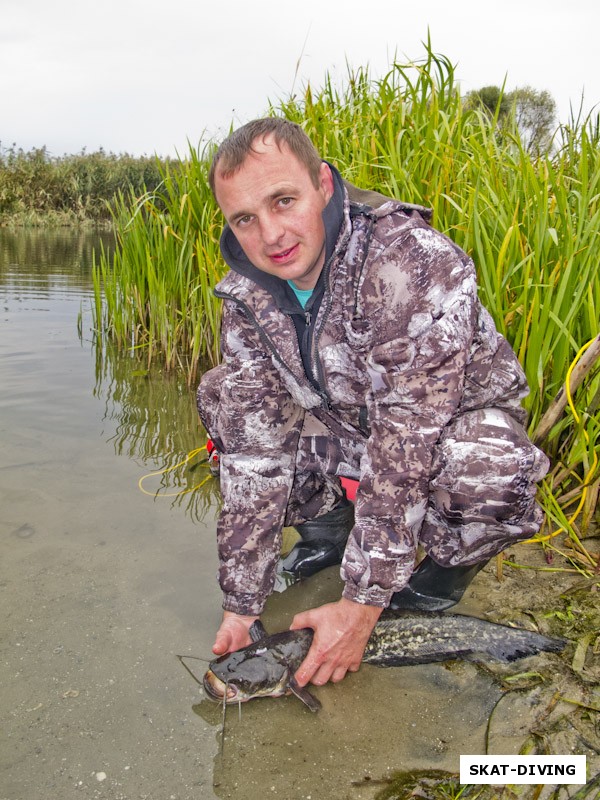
(353,345)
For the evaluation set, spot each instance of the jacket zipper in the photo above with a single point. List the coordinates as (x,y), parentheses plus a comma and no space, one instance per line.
(263,336)
(317,366)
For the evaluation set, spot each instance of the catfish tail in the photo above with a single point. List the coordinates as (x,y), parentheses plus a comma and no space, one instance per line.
(520,644)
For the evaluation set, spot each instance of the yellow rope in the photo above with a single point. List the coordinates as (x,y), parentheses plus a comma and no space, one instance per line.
(189,457)
(588,476)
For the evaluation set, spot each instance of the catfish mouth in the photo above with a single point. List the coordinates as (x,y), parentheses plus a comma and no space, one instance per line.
(216,689)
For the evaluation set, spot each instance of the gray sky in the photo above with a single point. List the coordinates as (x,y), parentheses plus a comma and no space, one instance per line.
(146,76)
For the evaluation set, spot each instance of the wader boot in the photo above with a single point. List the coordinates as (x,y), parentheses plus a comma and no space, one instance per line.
(322,545)
(433,587)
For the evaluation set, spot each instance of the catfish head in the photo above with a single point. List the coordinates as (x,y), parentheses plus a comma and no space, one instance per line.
(264,668)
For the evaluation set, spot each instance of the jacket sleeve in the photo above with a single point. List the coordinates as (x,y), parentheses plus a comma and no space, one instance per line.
(258,424)
(420,296)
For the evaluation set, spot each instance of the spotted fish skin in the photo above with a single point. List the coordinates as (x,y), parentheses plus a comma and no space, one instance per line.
(405,639)
(266,667)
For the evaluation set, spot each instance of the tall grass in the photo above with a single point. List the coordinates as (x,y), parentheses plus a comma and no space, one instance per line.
(155,296)
(531,225)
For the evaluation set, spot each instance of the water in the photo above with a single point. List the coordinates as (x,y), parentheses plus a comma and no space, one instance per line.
(102,585)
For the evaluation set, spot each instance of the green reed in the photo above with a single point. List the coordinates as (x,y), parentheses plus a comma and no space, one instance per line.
(531,225)
(155,294)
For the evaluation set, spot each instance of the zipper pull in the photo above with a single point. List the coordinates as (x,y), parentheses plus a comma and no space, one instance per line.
(325,401)
(307,318)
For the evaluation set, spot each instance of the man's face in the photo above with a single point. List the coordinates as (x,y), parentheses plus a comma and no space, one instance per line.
(274,210)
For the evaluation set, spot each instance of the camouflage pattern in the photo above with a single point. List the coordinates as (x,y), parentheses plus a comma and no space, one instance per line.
(422,406)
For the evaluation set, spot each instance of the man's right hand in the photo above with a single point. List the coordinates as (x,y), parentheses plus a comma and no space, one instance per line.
(233,633)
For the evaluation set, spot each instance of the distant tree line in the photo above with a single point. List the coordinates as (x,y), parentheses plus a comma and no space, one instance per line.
(36,187)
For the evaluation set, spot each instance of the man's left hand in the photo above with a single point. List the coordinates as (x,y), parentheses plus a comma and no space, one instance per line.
(233,633)
(342,630)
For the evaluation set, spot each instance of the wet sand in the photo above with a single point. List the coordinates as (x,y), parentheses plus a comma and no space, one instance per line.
(97,705)
(100,587)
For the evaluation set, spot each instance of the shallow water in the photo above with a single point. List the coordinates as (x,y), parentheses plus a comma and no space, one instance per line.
(102,585)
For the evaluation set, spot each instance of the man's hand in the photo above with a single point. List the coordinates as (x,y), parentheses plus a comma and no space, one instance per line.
(342,630)
(233,633)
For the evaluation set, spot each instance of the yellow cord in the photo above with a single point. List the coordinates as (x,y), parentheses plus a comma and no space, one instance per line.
(189,457)
(588,476)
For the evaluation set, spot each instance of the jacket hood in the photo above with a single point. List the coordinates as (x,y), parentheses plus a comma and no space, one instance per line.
(237,260)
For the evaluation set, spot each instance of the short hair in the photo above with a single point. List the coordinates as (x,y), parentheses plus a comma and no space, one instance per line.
(234,150)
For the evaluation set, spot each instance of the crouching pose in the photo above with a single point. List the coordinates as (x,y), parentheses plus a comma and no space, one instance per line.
(354,345)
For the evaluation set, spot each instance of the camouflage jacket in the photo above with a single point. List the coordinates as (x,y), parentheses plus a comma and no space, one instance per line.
(401,345)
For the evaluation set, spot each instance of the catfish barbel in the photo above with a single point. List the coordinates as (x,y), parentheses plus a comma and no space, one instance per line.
(266,667)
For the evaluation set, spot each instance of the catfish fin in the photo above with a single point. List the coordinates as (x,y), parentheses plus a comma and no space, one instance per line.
(303,694)
(257,631)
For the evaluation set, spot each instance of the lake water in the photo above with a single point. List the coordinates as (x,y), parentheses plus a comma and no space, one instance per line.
(103,584)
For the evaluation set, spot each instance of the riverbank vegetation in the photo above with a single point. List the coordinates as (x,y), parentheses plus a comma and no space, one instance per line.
(38,189)
(530,220)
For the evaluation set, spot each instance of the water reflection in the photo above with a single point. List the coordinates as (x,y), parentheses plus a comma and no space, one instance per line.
(153,420)
(45,259)
(149,416)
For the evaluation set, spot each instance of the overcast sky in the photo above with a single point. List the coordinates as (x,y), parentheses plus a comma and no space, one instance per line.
(146,76)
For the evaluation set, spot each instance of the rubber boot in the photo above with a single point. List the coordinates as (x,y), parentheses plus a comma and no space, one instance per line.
(323,542)
(433,587)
